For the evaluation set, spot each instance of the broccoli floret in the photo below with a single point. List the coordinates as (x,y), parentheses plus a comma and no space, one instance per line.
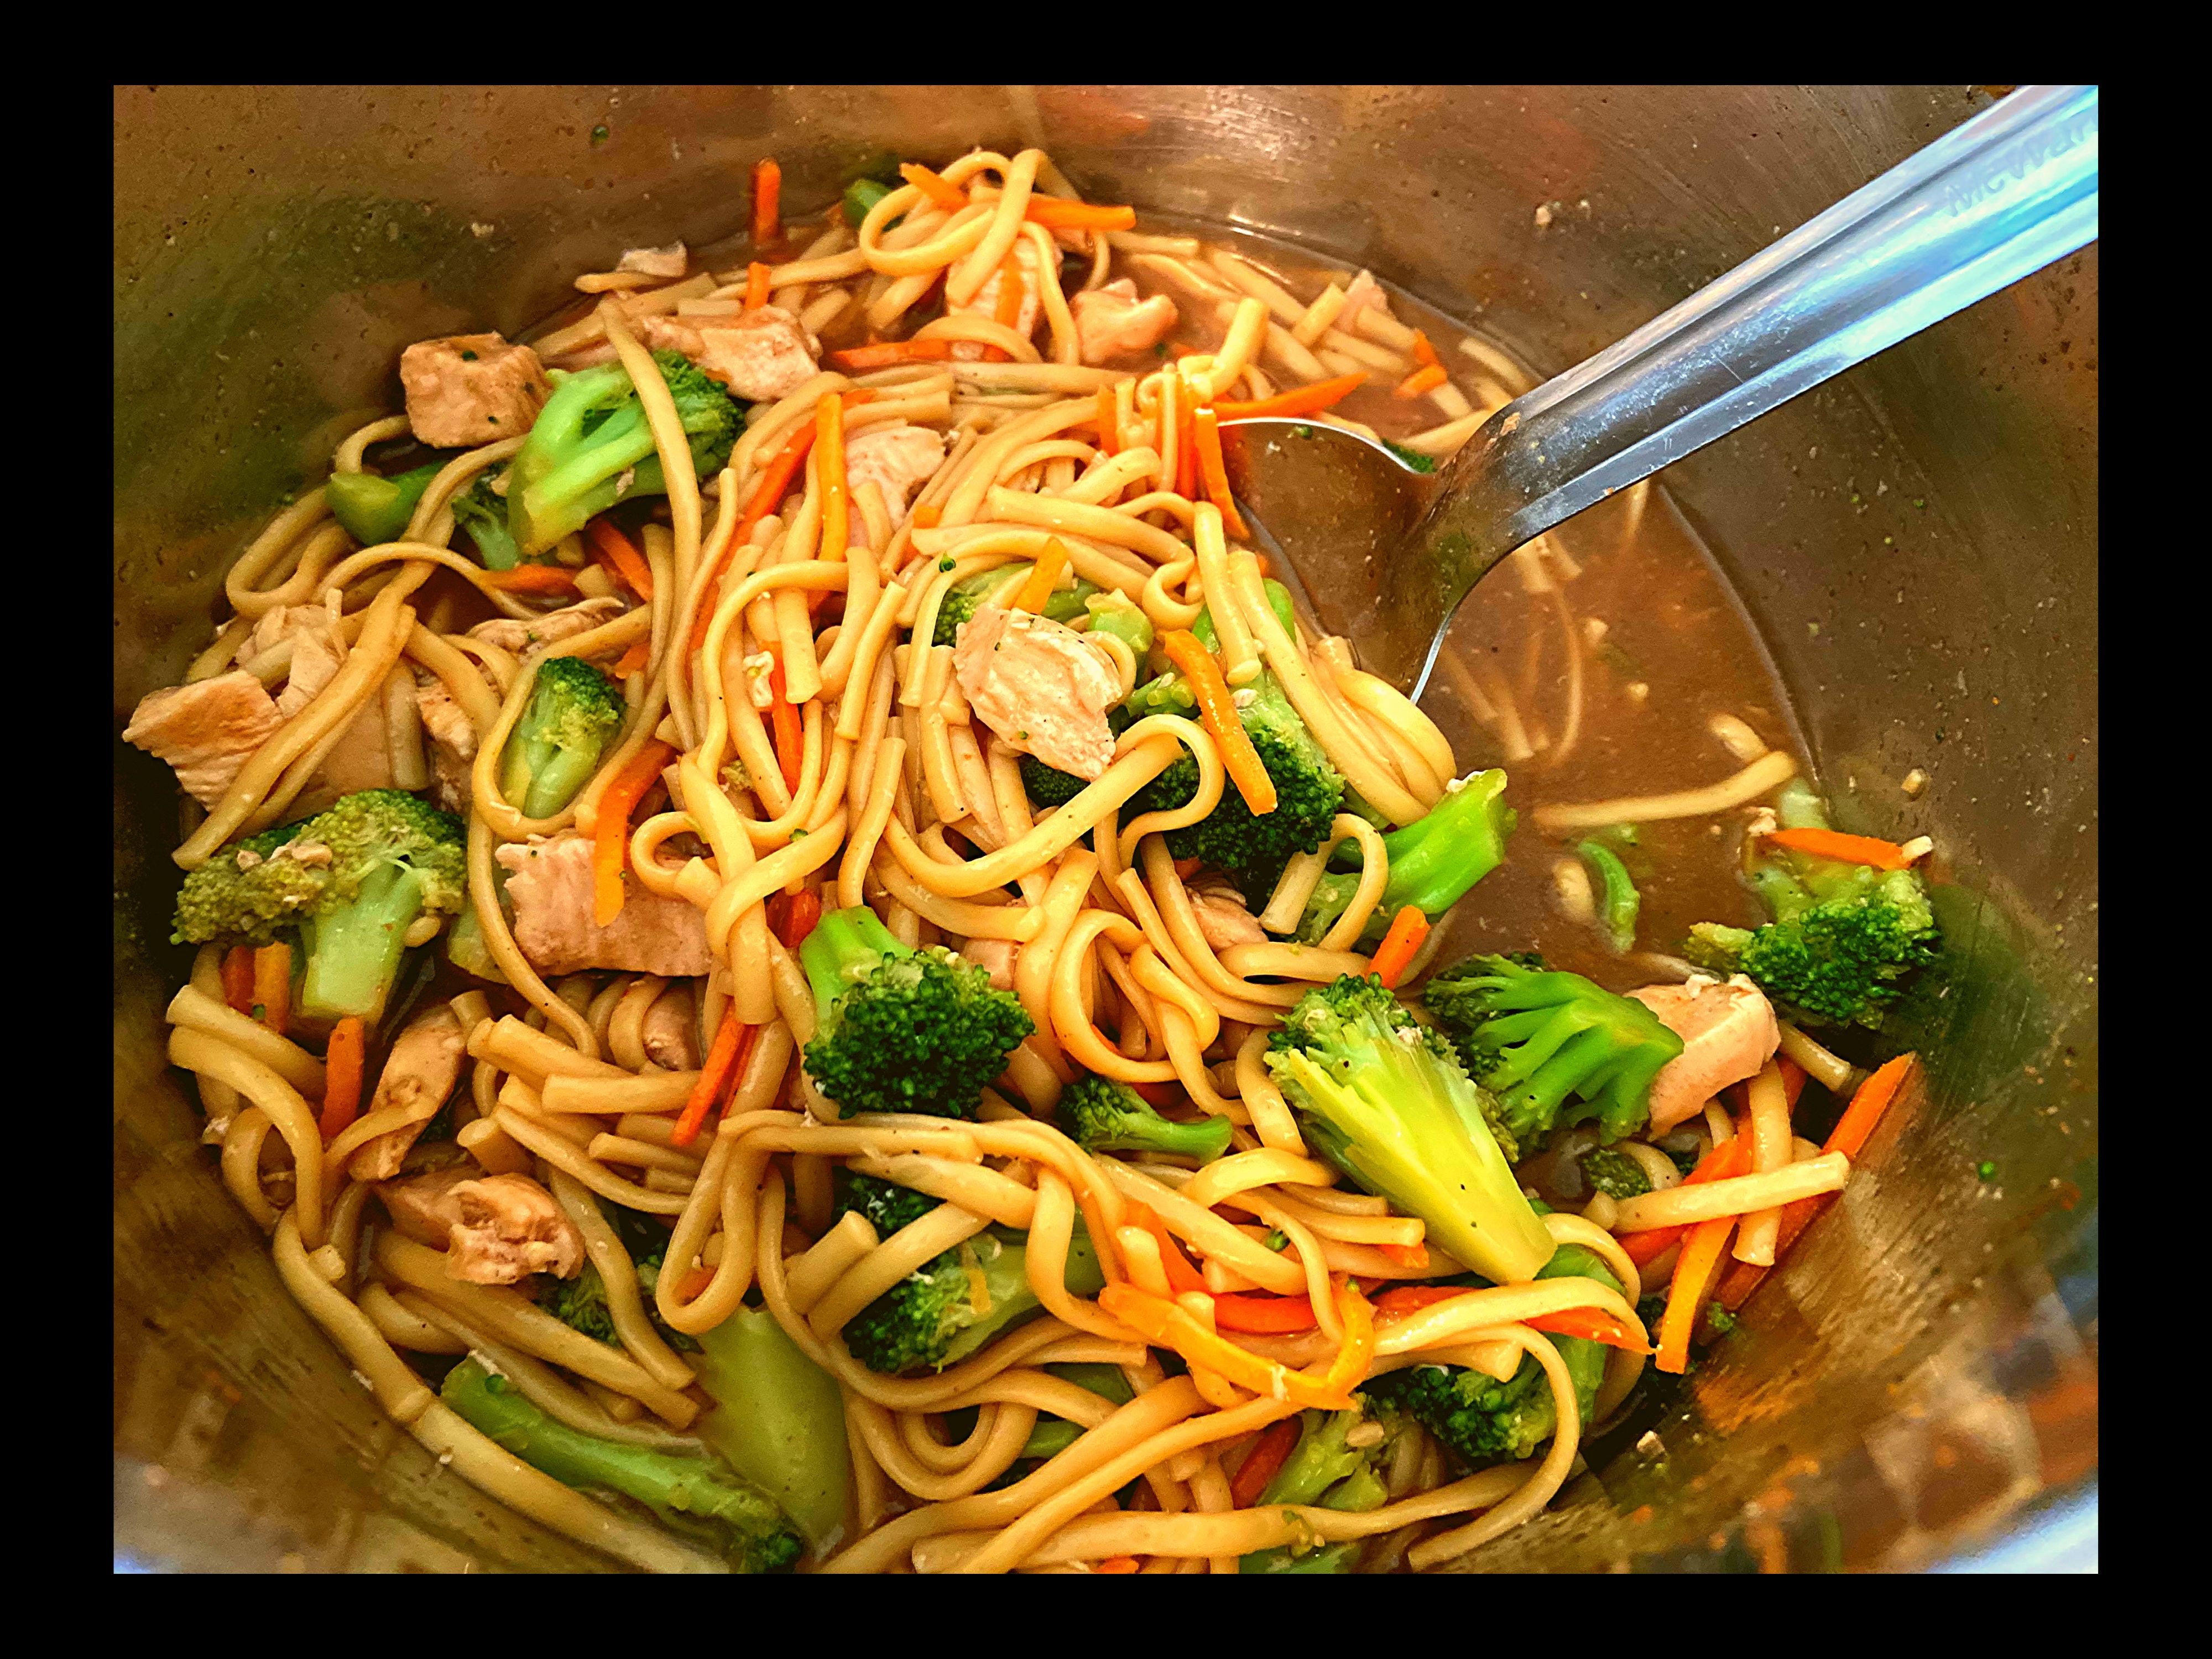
(1481,1420)
(887,1205)
(1434,860)
(1535,1038)
(939,1315)
(1613,1173)
(1387,1101)
(699,1497)
(1101,1115)
(997,585)
(778,1419)
(593,447)
(1843,936)
(1048,786)
(901,1030)
(1054,1434)
(390,858)
(481,509)
(374,508)
(1619,903)
(1325,1470)
(581,1303)
(1109,612)
(574,713)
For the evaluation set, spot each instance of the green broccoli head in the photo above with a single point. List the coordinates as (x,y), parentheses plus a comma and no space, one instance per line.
(593,447)
(1613,1173)
(1833,959)
(1434,861)
(902,1030)
(1048,786)
(698,1497)
(1386,1100)
(1101,1115)
(1540,1041)
(996,585)
(939,1315)
(359,873)
(887,1205)
(1326,1470)
(481,509)
(572,715)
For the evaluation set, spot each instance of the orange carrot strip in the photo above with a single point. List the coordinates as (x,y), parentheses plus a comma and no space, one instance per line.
(272,986)
(1158,1094)
(1693,1272)
(1110,423)
(1423,353)
(610,831)
(1844,849)
(1216,711)
(342,1073)
(928,517)
(1115,1564)
(238,979)
(755,286)
(1300,400)
(801,910)
(1415,1257)
(633,661)
(1044,576)
(1182,1276)
(886,354)
(829,468)
(1420,380)
(1273,1315)
(1205,432)
(1186,445)
(1402,1299)
(1160,1321)
(1408,928)
(949,196)
(1008,311)
(784,725)
(774,484)
(713,1078)
(768,202)
(1056,214)
(1261,1462)
(1718,1164)
(533,579)
(1592,1324)
(1850,1135)
(696,1283)
(622,560)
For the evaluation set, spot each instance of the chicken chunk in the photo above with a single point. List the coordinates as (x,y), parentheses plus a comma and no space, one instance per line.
(516,635)
(1042,688)
(509,1228)
(375,751)
(550,883)
(671,261)
(1223,921)
(1727,1033)
(986,302)
(1362,292)
(670,1030)
(1113,322)
(995,956)
(898,458)
(470,389)
(206,730)
(758,355)
(318,651)
(423,1207)
(453,737)
(419,1075)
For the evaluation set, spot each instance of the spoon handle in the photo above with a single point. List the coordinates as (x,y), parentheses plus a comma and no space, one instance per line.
(1995,199)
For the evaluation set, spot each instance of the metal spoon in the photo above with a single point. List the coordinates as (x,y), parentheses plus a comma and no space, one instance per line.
(1387,555)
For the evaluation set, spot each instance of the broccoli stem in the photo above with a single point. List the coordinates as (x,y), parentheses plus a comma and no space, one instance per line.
(779,1420)
(353,951)
(1619,902)
(374,508)
(1434,861)
(844,947)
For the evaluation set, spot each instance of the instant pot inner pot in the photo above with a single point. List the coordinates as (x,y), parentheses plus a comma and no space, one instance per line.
(1916,542)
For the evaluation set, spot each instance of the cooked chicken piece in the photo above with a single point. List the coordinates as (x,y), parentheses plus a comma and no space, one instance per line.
(1112,321)
(671,261)
(509,1228)
(206,730)
(1727,1033)
(364,756)
(419,1075)
(1223,921)
(986,302)
(996,956)
(898,458)
(471,389)
(1362,292)
(318,651)
(758,355)
(1042,688)
(515,634)
(423,1207)
(452,740)
(551,884)
(670,1030)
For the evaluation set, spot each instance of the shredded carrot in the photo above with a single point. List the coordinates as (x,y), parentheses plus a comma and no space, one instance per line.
(342,1075)
(800,911)
(774,484)
(1719,1164)
(1279,1315)
(1693,1272)
(1402,1299)
(1008,311)
(1053,213)
(768,202)
(1850,1135)
(722,1066)
(1109,422)
(1182,1276)
(1793,1085)
(1592,1324)
(1044,576)
(633,661)
(1217,712)
(1261,1462)
(1423,353)
(610,831)
(533,579)
(1185,868)
(784,725)
(1206,433)
(1115,1564)
(238,979)
(755,286)
(1415,1257)
(1408,929)
(1157,1094)
(1161,1320)
(888,354)
(928,517)
(1420,380)
(1187,444)
(829,469)
(1300,400)
(949,196)
(1846,849)
(272,986)
(696,1283)
(624,562)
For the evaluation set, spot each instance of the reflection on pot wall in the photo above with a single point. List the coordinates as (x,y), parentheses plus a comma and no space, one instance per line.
(1915,539)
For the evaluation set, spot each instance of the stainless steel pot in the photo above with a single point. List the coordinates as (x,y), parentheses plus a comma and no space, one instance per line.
(1916,541)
